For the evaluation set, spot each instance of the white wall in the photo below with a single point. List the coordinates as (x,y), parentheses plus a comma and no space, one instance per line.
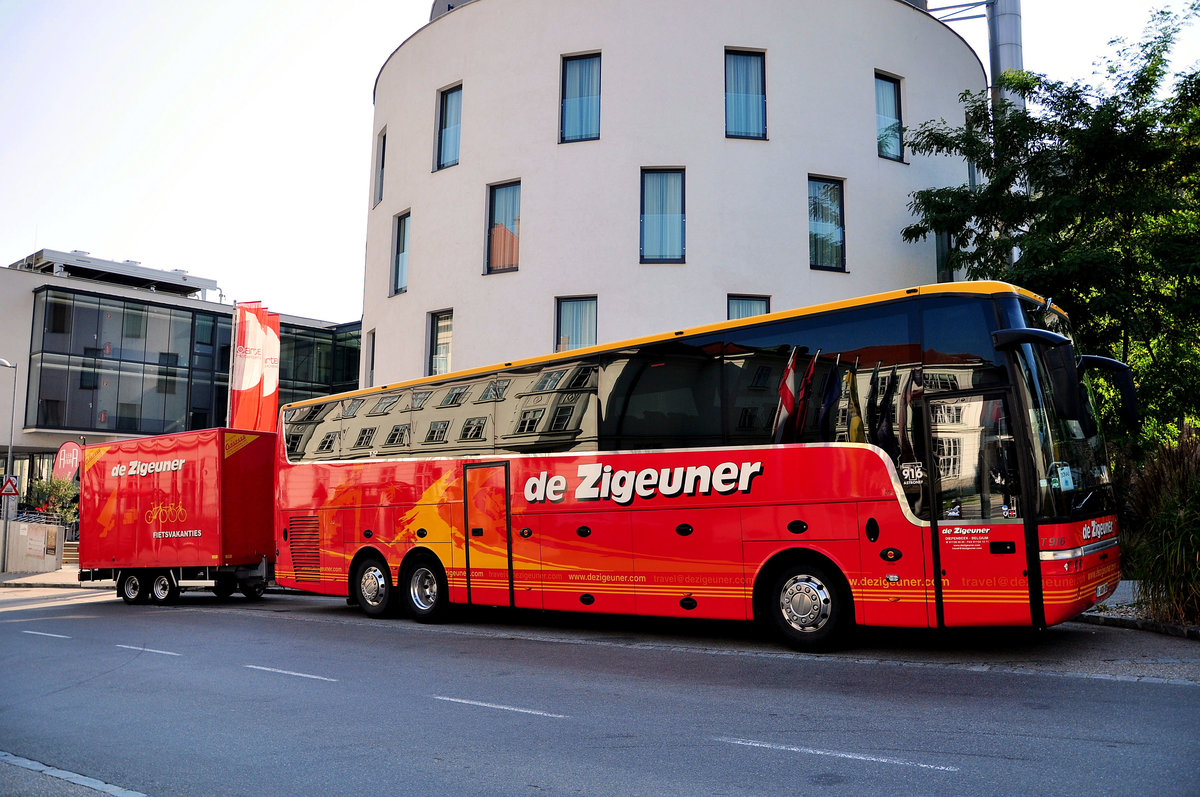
(662,105)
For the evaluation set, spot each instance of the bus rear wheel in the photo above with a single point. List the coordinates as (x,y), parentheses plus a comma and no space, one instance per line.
(373,588)
(133,588)
(424,590)
(809,608)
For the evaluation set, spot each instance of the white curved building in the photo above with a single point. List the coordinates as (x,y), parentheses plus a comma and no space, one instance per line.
(550,174)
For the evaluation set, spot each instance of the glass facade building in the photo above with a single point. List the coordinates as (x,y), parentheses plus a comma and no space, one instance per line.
(109,364)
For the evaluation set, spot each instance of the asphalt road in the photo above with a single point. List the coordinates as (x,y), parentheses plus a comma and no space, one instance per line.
(304,695)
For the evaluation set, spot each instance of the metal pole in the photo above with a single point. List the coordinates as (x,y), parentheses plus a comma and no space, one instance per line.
(12,425)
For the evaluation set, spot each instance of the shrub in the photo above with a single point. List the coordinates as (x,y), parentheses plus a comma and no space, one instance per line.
(1162,539)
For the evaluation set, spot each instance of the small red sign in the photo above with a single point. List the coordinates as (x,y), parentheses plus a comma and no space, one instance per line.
(66,462)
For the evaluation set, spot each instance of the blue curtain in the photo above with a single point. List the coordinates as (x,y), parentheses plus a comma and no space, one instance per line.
(887,117)
(826,231)
(451,122)
(746,306)
(581,98)
(662,215)
(400,279)
(745,95)
(576,323)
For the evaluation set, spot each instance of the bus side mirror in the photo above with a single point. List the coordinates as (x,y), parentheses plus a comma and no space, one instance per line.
(1060,365)
(1123,378)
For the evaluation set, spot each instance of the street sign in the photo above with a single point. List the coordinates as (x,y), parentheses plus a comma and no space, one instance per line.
(10,488)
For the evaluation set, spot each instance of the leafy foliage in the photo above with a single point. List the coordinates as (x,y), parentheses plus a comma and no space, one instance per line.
(1092,197)
(57,496)
(1162,542)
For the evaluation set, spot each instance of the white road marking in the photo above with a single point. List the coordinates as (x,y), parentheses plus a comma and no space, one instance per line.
(500,707)
(149,650)
(289,672)
(72,777)
(833,753)
(43,633)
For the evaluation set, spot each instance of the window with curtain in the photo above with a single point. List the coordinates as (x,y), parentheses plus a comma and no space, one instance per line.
(580,99)
(826,224)
(662,216)
(448,127)
(380,151)
(504,227)
(887,118)
(576,323)
(745,95)
(400,268)
(746,306)
(441,327)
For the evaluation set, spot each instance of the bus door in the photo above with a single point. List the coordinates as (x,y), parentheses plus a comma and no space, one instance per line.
(978,512)
(488,534)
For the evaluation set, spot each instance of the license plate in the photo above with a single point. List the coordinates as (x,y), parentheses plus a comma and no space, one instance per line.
(1101,590)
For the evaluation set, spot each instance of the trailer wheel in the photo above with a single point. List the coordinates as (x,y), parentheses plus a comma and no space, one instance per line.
(425,592)
(132,587)
(373,587)
(809,607)
(253,590)
(163,590)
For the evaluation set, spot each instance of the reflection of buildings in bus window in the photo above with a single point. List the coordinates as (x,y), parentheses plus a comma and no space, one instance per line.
(364,438)
(399,436)
(384,405)
(350,407)
(437,431)
(472,428)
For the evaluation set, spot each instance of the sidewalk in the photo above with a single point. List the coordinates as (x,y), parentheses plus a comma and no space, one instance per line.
(1121,609)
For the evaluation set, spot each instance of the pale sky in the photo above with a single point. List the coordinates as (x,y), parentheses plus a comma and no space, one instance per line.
(232,138)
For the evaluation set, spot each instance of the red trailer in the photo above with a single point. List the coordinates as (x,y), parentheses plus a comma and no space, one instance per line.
(192,510)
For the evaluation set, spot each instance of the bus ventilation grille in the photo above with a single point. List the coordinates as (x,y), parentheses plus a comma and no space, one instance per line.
(304,536)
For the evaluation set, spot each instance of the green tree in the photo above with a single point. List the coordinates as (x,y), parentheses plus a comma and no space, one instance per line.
(1091,198)
(59,496)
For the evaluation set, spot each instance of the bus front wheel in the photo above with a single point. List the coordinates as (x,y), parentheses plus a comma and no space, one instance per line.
(809,608)
(424,590)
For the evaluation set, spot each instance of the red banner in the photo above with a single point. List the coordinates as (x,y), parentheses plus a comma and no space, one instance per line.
(254,370)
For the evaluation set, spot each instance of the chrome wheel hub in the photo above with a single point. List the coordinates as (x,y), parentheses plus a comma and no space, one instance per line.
(372,585)
(423,589)
(805,602)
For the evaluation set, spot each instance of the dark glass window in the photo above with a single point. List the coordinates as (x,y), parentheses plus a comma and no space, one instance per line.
(888,124)
(826,224)
(400,267)
(662,216)
(449,127)
(504,227)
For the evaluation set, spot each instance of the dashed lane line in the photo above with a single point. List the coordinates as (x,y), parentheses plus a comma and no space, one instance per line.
(500,707)
(787,748)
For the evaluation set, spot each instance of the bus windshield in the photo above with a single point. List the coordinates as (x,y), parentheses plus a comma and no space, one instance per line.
(1071,471)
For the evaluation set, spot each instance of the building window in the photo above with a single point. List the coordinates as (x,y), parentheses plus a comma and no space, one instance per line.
(529,420)
(419,397)
(365,436)
(662,216)
(437,432)
(384,405)
(745,95)
(494,390)
(441,326)
(398,436)
(380,150)
(327,442)
(561,420)
(504,227)
(576,326)
(455,396)
(548,381)
(746,306)
(580,99)
(826,224)
(888,126)
(400,266)
(473,429)
(449,125)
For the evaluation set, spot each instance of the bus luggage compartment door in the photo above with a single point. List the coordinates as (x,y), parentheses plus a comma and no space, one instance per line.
(487,534)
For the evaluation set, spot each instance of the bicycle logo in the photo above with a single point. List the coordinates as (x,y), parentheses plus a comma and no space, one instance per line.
(169,513)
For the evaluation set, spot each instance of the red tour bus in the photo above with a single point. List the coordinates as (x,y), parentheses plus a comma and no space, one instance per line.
(924,458)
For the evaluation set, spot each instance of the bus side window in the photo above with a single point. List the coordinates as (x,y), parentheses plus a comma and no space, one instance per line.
(662,396)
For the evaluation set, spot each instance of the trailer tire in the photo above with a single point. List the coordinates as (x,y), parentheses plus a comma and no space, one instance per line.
(163,589)
(253,590)
(132,587)
(373,587)
(224,587)
(424,590)
(809,607)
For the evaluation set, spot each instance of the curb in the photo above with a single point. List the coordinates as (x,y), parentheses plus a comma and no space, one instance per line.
(1135,624)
